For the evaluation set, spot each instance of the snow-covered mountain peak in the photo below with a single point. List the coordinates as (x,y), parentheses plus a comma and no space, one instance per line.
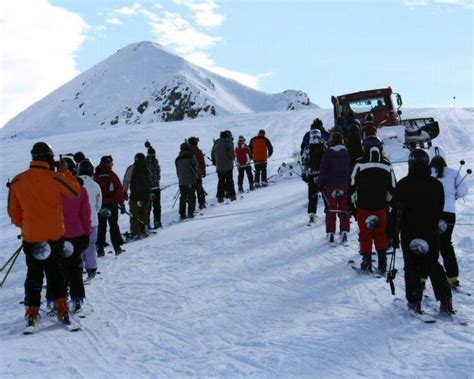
(144,83)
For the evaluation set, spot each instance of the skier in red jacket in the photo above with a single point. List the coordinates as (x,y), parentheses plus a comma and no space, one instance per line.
(242,154)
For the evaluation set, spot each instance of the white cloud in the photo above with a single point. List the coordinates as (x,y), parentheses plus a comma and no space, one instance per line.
(114,21)
(38,49)
(129,11)
(205,13)
(175,31)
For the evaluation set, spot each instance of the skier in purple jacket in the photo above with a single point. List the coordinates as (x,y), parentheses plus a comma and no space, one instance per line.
(334,179)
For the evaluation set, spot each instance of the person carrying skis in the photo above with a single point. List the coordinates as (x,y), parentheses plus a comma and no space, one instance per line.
(418,207)
(242,154)
(316,124)
(187,170)
(311,161)
(35,204)
(77,220)
(138,179)
(112,201)
(372,187)
(155,170)
(85,171)
(223,156)
(453,190)
(197,152)
(334,180)
(261,149)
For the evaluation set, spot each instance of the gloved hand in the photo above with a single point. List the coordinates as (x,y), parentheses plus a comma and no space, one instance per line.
(125,196)
(123,210)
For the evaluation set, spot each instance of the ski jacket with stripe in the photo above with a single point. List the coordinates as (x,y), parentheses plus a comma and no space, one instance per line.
(36,202)
(242,153)
(261,148)
(77,215)
(187,168)
(372,184)
(95,197)
(335,170)
(452,189)
(110,185)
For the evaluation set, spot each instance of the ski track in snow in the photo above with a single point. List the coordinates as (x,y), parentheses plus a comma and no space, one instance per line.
(247,289)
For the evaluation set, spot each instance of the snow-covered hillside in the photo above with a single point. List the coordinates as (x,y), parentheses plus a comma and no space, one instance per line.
(142,84)
(247,289)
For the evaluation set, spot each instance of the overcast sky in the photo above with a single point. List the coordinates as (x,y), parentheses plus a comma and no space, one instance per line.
(422,48)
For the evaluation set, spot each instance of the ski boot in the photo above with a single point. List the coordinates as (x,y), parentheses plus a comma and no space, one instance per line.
(63,310)
(100,252)
(382,262)
(157,225)
(118,251)
(344,239)
(366,264)
(415,306)
(32,316)
(220,199)
(241,189)
(91,272)
(312,217)
(252,187)
(454,282)
(264,184)
(202,206)
(446,306)
(76,306)
(331,239)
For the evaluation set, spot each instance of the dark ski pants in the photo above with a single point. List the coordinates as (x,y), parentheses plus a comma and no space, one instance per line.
(377,236)
(36,270)
(201,193)
(418,268)
(139,219)
(261,172)
(337,208)
(155,205)
(72,268)
(313,190)
(446,248)
(240,180)
(115,236)
(187,198)
(225,185)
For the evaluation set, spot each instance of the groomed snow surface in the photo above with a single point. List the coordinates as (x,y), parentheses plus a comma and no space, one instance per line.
(247,289)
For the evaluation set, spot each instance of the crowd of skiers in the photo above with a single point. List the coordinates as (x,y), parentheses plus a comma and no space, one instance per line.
(348,167)
(63,207)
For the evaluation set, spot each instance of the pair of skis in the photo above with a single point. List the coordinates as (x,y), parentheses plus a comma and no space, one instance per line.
(432,316)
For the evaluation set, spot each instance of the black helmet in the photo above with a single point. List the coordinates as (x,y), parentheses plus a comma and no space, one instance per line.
(79,157)
(418,157)
(42,151)
(193,140)
(71,166)
(140,157)
(85,168)
(184,147)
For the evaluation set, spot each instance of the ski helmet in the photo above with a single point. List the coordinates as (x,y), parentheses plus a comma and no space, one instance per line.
(373,222)
(71,166)
(140,157)
(106,159)
(184,147)
(317,124)
(68,249)
(105,212)
(41,251)
(418,157)
(419,246)
(193,140)
(42,151)
(337,194)
(79,157)
(85,168)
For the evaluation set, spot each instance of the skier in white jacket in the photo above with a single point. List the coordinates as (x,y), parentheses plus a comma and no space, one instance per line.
(85,171)
(453,189)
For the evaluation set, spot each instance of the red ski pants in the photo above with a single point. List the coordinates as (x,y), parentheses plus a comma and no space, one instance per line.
(378,236)
(337,207)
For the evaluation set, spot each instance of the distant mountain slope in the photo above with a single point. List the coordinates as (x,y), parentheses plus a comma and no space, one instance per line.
(140,84)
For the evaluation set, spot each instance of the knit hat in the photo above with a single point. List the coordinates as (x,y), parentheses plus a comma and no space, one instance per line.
(193,140)
(317,124)
(261,132)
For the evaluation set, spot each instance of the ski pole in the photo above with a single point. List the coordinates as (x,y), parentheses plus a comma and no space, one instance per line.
(17,251)
(468,172)
(392,272)
(175,199)
(461,163)
(134,217)
(11,267)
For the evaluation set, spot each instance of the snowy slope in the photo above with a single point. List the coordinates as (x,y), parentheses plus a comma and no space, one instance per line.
(141,84)
(244,290)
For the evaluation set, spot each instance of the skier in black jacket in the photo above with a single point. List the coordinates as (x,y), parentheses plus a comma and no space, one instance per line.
(372,187)
(419,202)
